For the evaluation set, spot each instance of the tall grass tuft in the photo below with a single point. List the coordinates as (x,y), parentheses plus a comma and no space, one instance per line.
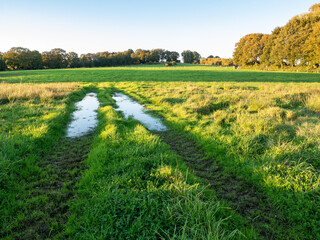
(44,92)
(313,103)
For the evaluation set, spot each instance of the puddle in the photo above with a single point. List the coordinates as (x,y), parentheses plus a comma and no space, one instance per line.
(84,119)
(130,107)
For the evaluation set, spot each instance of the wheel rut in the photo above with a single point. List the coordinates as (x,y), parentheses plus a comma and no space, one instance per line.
(63,168)
(243,197)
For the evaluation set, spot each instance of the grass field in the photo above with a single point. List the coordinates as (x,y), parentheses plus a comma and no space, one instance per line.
(241,159)
(157,74)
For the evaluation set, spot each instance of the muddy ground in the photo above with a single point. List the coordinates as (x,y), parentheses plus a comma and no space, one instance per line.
(54,193)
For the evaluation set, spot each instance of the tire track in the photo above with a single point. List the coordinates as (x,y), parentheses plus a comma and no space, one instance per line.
(243,197)
(63,168)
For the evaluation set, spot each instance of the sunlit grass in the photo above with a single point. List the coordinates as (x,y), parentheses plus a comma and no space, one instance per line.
(313,102)
(136,188)
(262,126)
(264,132)
(275,111)
(32,117)
(44,92)
(191,73)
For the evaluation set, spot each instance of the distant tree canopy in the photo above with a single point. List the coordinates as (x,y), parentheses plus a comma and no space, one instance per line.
(294,45)
(56,58)
(217,61)
(211,56)
(190,57)
(73,60)
(22,58)
(154,56)
(171,56)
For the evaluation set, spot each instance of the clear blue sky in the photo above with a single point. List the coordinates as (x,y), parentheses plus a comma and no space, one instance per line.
(82,26)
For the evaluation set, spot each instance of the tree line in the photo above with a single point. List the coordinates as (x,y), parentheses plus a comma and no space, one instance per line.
(19,58)
(211,60)
(293,46)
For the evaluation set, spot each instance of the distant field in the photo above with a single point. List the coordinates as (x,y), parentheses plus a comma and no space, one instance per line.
(241,159)
(156,73)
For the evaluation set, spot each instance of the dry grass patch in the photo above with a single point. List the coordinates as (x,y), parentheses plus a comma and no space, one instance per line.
(12,92)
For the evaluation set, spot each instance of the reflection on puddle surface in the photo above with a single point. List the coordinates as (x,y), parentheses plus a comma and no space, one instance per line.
(134,109)
(85,117)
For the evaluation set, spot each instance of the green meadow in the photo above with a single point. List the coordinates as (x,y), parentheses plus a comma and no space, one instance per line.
(157,73)
(240,160)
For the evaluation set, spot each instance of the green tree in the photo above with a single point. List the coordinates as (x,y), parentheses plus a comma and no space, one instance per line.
(160,53)
(23,58)
(140,55)
(211,56)
(171,56)
(190,56)
(187,56)
(73,60)
(14,57)
(86,60)
(34,60)
(127,57)
(153,57)
(3,66)
(56,58)
(196,57)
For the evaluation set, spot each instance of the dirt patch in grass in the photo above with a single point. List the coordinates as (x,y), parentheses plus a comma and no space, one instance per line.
(243,197)
(54,190)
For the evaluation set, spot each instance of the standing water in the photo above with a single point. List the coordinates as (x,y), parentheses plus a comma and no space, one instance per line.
(85,117)
(134,109)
